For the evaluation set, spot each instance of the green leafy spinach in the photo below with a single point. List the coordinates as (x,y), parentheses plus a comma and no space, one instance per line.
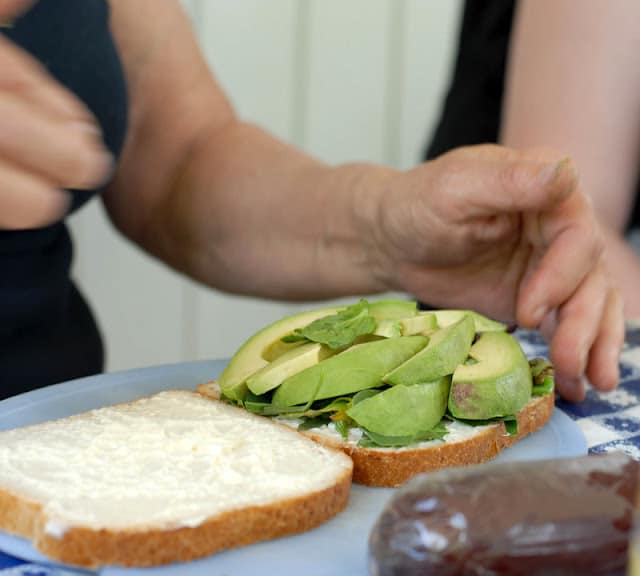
(372,440)
(337,330)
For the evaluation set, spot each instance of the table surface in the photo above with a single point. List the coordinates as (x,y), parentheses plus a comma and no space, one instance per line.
(608,421)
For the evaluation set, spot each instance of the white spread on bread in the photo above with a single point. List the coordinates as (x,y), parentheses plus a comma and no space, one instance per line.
(55,528)
(170,460)
(456,432)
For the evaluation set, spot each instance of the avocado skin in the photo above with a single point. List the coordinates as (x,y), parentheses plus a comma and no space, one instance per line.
(447,348)
(498,385)
(403,410)
(358,368)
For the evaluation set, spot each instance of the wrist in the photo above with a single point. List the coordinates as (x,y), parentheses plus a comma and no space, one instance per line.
(370,187)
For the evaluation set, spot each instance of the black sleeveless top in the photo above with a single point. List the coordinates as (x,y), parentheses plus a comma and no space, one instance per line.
(47,332)
(472,110)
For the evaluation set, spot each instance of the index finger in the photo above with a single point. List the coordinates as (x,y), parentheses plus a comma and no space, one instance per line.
(566,245)
(507,181)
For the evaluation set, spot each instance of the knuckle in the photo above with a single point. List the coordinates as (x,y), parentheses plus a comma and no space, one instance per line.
(511,178)
(444,174)
(510,175)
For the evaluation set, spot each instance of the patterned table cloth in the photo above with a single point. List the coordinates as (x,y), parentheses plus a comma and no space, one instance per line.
(608,421)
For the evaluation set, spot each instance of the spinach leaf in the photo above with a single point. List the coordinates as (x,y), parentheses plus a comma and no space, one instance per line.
(293,337)
(510,422)
(312,409)
(338,330)
(336,405)
(364,394)
(315,422)
(372,440)
(546,387)
(343,426)
(256,404)
(511,426)
(543,376)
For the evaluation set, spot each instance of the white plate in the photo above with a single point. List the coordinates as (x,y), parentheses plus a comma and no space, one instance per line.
(339,547)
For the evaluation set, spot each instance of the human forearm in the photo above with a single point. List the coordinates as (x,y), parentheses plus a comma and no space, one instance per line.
(250,214)
(573,84)
(218,198)
(624,266)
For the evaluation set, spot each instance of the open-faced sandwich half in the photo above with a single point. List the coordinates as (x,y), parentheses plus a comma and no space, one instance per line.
(401,391)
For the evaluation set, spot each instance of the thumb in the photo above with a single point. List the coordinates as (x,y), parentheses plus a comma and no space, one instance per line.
(534,187)
(487,179)
(10,9)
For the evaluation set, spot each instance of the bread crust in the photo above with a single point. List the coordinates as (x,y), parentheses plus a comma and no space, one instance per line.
(19,515)
(392,467)
(94,548)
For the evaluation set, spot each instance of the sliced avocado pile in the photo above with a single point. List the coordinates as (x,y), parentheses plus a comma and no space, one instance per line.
(385,367)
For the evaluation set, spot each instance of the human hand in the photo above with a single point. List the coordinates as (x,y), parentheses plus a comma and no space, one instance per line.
(49,141)
(9,9)
(509,234)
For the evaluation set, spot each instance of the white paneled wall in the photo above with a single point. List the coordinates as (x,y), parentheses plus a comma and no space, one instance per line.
(344,80)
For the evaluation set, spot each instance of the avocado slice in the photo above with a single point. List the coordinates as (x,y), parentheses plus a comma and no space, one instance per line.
(422,323)
(447,348)
(290,363)
(393,309)
(357,368)
(403,410)
(277,348)
(498,384)
(249,358)
(482,323)
(388,329)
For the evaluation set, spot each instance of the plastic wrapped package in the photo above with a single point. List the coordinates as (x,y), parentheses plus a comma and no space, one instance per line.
(553,517)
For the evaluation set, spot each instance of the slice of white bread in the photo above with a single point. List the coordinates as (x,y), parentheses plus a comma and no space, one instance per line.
(166,478)
(394,466)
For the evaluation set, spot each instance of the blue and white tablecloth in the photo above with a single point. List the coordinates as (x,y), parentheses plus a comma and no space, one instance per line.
(608,421)
(10,566)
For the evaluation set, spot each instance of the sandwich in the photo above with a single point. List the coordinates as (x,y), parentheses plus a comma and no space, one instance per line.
(401,391)
(167,478)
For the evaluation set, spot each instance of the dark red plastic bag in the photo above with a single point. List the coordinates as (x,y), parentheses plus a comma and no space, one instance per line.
(555,517)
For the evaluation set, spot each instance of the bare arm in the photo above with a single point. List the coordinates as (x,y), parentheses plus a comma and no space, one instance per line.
(195,182)
(574,84)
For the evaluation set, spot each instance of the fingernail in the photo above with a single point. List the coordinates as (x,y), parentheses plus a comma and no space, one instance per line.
(553,172)
(573,388)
